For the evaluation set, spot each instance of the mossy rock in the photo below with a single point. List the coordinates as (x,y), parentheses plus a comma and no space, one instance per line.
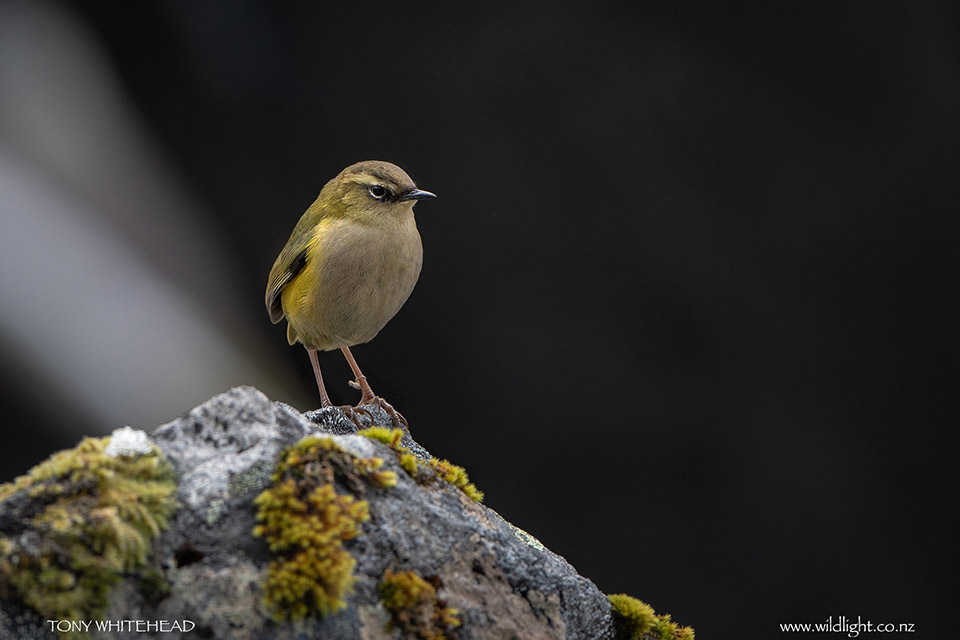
(79,521)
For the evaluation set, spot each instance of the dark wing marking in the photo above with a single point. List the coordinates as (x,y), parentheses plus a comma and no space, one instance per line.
(279,280)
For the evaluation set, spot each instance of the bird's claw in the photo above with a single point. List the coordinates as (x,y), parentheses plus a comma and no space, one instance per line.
(358,412)
(354,413)
(395,416)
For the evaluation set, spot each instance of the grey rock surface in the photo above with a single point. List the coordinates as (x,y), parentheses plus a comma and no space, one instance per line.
(502,581)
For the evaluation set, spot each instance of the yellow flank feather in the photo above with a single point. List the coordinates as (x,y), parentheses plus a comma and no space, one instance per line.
(296,297)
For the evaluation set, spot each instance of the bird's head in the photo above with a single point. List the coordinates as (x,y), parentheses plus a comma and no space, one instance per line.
(374,189)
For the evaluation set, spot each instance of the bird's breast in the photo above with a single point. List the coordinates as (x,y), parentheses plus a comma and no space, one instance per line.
(355,280)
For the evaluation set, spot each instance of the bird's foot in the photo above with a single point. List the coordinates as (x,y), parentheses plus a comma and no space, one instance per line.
(370,398)
(395,416)
(355,413)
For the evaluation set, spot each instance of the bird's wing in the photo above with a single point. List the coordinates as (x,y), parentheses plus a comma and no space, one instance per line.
(291,261)
(293,257)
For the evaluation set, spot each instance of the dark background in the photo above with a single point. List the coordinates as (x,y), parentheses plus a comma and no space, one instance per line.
(684,307)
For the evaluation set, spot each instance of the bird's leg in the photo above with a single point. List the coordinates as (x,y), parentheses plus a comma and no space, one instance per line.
(367,396)
(350,412)
(366,393)
(324,398)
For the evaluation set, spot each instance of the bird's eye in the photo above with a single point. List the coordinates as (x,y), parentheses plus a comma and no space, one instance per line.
(378,192)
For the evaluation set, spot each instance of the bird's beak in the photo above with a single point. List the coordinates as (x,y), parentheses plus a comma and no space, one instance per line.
(418,194)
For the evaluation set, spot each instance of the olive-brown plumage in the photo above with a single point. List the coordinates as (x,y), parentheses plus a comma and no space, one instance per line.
(349,265)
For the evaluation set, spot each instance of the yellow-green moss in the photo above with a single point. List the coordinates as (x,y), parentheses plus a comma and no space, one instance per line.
(633,618)
(370,467)
(305,522)
(90,518)
(414,607)
(389,437)
(666,629)
(455,475)
(410,463)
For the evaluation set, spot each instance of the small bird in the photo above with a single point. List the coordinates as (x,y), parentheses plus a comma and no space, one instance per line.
(349,265)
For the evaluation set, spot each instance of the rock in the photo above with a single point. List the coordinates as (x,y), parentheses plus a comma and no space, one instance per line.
(455,566)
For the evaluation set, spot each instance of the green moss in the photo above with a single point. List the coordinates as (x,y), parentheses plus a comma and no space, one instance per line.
(455,475)
(633,618)
(410,463)
(666,629)
(87,518)
(389,437)
(414,607)
(305,523)
(370,467)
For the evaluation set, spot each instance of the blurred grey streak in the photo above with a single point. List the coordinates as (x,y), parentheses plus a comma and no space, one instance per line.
(117,301)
